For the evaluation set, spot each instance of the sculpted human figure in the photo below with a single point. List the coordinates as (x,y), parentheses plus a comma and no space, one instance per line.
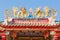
(30,13)
(53,12)
(46,9)
(15,9)
(8,16)
(19,13)
(53,15)
(23,13)
(38,13)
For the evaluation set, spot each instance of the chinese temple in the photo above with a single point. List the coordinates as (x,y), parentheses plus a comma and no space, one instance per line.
(32,25)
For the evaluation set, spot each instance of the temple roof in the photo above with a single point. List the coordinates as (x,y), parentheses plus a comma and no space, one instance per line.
(41,27)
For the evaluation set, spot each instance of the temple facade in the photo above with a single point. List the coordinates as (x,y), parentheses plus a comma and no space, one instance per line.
(38,25)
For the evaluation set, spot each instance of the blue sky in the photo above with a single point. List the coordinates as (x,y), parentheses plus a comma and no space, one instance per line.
(8,4)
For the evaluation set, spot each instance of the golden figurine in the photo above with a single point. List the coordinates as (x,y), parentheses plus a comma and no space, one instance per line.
(19,13)
(38,12)
(23,13)
(46,9)
(15,9)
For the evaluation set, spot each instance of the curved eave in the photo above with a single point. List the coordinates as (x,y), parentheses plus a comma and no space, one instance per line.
(47,27)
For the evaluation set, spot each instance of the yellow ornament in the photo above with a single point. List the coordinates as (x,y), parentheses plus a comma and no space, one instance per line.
(46,9)
(15,9)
